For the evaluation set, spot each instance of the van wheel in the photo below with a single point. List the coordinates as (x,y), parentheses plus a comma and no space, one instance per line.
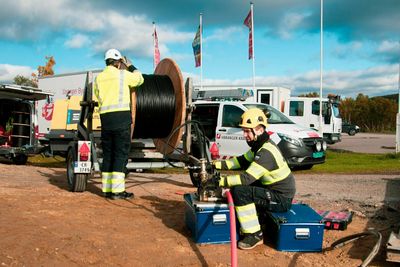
(304,167)
(20,159)
(76,181)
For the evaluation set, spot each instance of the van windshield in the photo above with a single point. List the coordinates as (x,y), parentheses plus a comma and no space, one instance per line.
(275,116)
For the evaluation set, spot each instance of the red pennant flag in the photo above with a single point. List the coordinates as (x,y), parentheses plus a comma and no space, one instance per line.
(156,50)
(248,23)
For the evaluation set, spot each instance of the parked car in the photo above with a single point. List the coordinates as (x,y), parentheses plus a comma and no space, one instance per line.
(349,128)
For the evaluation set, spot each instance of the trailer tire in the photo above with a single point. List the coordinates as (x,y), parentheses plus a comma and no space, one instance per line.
(20,159)
(76,181)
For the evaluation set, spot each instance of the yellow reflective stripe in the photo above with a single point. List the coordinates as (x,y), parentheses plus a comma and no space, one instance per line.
(256,170)
(218,165)
(232,180)
(283,169)
(118,182)
(247,216)
(249,156)
(232,163)
(106,182)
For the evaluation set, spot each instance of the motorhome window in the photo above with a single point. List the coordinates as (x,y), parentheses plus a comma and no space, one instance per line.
(276,117)
(231,116)
(265,98)
(296,108)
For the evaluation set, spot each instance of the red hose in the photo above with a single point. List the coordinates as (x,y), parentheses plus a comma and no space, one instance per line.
(232,219)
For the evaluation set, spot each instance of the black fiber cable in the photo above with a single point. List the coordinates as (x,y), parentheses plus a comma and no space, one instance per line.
(155,107)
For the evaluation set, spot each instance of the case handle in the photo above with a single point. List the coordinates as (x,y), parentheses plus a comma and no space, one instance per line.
(302,233)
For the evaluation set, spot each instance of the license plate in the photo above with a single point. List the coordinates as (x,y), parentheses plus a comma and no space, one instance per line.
(318,154)
(82,166)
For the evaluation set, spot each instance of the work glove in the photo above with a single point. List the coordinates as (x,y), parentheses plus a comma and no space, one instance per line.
(126,61)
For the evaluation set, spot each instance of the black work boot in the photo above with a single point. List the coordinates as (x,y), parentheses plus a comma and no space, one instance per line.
(107,194)
(250,241)
(122,195)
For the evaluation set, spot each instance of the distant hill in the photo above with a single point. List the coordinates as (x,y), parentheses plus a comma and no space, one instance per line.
(394,97)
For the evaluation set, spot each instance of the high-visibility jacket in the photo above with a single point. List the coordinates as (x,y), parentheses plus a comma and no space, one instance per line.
(112,88)
(266,165)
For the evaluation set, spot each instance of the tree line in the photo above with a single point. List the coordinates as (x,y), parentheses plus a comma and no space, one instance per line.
(375,114)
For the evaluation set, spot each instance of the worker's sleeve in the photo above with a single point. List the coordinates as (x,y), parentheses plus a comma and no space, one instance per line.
(235,163)
(134,79)
(263,162)
(96,89)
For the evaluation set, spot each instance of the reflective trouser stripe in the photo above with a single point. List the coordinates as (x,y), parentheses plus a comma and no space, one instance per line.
(232,180)
(118,182)
(247,216)
(106,181)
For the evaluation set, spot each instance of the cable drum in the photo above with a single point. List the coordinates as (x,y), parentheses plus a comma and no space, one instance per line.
(159,107)
(155,107)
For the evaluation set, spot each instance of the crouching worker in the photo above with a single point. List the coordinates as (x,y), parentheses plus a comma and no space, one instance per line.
(267,183)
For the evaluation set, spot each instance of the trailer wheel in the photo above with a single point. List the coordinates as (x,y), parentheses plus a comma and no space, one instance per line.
(76,181)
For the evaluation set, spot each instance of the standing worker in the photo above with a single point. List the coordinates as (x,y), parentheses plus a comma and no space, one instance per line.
(112,89)
(266,185)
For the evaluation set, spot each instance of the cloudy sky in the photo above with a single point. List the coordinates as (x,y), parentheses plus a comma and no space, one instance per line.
(361,40)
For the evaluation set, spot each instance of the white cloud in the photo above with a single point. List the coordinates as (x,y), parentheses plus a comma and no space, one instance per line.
(77,41)
(224,34)
(289,23)
(8,72)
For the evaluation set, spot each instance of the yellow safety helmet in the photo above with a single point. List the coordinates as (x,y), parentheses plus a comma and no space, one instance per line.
(253,117)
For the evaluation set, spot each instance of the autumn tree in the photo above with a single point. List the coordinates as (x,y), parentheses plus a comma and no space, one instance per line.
(21,80)
(45,70)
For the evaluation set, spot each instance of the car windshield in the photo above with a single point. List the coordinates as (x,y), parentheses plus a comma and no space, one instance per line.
(275,116)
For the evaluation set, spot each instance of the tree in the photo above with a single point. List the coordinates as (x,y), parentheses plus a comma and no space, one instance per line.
(45,70)
(21,80)
(313,94)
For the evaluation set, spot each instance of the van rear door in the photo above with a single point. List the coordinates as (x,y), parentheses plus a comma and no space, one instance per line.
(22,92)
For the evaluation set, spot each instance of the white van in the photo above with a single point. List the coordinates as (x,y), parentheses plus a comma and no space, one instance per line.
(302,147)
(18,121)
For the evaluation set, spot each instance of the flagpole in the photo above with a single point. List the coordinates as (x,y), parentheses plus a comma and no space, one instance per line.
(252,33)
(201,51)
(154,45)
(321,68)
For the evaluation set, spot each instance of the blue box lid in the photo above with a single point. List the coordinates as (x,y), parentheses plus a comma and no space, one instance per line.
(298,213)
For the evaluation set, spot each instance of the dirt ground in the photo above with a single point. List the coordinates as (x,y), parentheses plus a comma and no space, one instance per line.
(43,224)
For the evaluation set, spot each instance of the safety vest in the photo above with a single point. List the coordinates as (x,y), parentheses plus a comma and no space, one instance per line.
(111,88)
(256,170)
(269,177)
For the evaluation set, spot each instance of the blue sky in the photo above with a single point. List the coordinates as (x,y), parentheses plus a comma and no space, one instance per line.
(361,40)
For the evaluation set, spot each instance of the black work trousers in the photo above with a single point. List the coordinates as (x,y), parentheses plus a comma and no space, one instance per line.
(264,199)
(116,145)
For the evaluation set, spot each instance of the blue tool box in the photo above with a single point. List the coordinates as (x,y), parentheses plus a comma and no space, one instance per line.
(299,229)
(209,222)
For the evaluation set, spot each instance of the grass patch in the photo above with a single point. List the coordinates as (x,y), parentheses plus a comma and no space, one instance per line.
(43,161)
(349,162)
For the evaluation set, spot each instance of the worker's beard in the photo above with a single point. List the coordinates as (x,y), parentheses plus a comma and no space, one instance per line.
(258,141)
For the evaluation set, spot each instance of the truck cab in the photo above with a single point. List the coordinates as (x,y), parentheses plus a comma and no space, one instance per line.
(305,111)
(18,121)
(302,147)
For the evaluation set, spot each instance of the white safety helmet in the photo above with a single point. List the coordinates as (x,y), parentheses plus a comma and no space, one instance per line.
(112,54)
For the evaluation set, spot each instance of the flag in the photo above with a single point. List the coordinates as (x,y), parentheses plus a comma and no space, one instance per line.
(196,44)
(156,50)
(249,24)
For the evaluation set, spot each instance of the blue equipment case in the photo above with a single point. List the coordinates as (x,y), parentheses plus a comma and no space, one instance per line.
(209,222)
(299,229)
